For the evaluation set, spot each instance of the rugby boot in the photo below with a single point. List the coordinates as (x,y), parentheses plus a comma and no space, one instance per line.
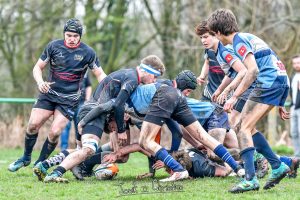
(245,186)
(176,176)
(40,171)
(54,177)
(262,167)
(18,164)
(276,176)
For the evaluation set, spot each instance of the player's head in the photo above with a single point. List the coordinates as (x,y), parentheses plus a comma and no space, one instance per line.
(296,63)
(183,158)
(72,32)
(207,37)
(186,82)
(222,22)
(150,68)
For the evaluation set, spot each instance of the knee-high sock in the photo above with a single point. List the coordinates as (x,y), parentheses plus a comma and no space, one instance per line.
(222,153)
(30,141)
(287,160)
(247,157)
(262,146)
(55,160)
(47,149)
(169,161)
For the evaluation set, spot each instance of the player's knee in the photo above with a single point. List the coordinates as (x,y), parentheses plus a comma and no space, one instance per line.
(141,142)
(89,146)
(33,127)
(54,134)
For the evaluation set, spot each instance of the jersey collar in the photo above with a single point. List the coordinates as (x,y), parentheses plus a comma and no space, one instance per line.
(71,47)
(138,75)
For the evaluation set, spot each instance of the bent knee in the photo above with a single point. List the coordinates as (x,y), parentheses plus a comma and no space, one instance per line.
(33,127)
(89,146)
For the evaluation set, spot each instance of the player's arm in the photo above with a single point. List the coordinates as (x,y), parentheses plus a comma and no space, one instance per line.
(248,79)
(119,112)
(88,93)
(95,112)
(204,72)
(225,82)
(38,76)
(241,70)
(99,73)
(113,157)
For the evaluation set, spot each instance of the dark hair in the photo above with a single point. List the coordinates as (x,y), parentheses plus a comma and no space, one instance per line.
(202,28)
(223,21)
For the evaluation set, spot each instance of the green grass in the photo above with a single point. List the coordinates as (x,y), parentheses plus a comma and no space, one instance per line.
(23,185)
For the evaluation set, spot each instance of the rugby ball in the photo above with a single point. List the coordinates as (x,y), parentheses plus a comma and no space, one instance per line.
(106,171)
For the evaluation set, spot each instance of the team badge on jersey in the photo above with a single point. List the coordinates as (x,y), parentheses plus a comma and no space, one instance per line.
(228,58)
(78,57)
(242,50)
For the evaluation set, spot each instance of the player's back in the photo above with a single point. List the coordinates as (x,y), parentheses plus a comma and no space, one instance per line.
(271,69)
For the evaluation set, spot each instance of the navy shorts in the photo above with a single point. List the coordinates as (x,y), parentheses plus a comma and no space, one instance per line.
(51,102)
(276,95)
(218,119)
(168,102)
(96,126)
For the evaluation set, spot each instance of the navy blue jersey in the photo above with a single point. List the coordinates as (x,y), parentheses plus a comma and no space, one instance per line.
(201,166)
(110,86)
(68,67)
(215,74)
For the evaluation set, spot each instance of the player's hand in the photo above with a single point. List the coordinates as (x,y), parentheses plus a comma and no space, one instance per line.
(215,95)
(228,106)
(158,165)
(145,175)
(200,80)
(44,86)
(122,138)
(222,97)
(110,158)
(284,115)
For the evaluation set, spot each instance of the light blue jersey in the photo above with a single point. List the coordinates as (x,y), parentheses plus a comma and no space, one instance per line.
(141,99)
(226,57)
(202,110)
(271,70)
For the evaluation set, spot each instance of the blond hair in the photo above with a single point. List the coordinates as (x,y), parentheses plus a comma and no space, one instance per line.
(155,62)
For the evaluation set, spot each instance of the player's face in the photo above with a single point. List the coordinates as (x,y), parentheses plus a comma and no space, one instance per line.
(207,40)
(72,39)
(187,92)
(296,64)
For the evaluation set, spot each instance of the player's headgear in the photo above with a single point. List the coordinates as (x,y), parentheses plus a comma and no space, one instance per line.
(186,80)
(73,25)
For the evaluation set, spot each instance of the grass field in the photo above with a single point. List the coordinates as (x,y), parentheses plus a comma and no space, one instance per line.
(23,185)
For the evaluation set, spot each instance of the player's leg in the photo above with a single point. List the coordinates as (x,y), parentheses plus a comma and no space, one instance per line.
(149,130)
(89,147)
(40,169)
(37,118)
(59,123)
(197,132)
(91,134)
